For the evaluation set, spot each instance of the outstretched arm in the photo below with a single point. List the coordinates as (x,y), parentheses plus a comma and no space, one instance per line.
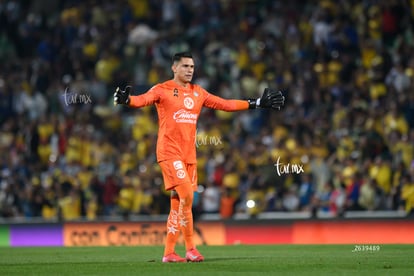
(215,102)
(270,99)
(124,97)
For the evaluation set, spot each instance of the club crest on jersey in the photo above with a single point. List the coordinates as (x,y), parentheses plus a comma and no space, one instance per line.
(188,103)
(175,92)
(181,174)
(195,93)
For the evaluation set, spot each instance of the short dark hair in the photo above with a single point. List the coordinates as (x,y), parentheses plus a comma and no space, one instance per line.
(179,56)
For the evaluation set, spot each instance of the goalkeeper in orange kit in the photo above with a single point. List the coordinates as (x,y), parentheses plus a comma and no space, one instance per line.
(179,103)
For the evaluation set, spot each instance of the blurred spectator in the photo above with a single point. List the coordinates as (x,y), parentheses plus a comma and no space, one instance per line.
(142,198)
(227,202)
(407,194)
(69,202)
(291,201)
(353,190)
(322,198)
(125,198)
(370,195)
(109,196)
(306,192)
(210,198)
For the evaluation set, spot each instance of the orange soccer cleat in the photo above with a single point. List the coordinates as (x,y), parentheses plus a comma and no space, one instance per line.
(193,255)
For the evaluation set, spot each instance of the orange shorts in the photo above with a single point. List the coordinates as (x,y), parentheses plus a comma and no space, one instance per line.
(176,172)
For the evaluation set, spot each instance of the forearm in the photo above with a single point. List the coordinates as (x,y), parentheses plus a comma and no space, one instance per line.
(218,103)
(235,105)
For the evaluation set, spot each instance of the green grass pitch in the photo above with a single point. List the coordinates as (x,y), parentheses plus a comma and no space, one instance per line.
(219,260)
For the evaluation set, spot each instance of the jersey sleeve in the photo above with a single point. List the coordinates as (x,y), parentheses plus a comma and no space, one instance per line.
(148,98)
(215,102)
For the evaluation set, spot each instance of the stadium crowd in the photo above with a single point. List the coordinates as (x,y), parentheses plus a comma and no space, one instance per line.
(344,140)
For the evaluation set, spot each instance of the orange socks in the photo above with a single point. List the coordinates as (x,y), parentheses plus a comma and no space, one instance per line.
(180,218)
(173,227)
(186,222)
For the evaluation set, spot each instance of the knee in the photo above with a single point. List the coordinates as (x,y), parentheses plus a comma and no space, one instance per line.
(187,201)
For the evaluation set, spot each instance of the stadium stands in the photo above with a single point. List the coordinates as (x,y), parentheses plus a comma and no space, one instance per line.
(347,69)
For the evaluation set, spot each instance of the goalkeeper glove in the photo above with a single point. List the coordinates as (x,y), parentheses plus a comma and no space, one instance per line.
(122,96)
(270,99)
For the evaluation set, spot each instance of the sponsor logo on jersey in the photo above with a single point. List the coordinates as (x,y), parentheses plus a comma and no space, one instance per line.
(184,116)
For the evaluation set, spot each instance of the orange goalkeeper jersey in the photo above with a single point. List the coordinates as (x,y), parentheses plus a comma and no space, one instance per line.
(178,110)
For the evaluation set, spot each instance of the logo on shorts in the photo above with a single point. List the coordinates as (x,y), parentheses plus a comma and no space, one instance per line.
(178,165)
(180,174)
(188,103)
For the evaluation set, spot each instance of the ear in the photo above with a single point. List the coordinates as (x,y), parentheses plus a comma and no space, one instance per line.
(174,68)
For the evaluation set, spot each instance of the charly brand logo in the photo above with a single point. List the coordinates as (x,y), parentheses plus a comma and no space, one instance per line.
(76,98)
(287,168)
(203,140)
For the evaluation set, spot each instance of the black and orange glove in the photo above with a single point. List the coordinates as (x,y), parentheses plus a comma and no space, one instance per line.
(273,99)
(122,96)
